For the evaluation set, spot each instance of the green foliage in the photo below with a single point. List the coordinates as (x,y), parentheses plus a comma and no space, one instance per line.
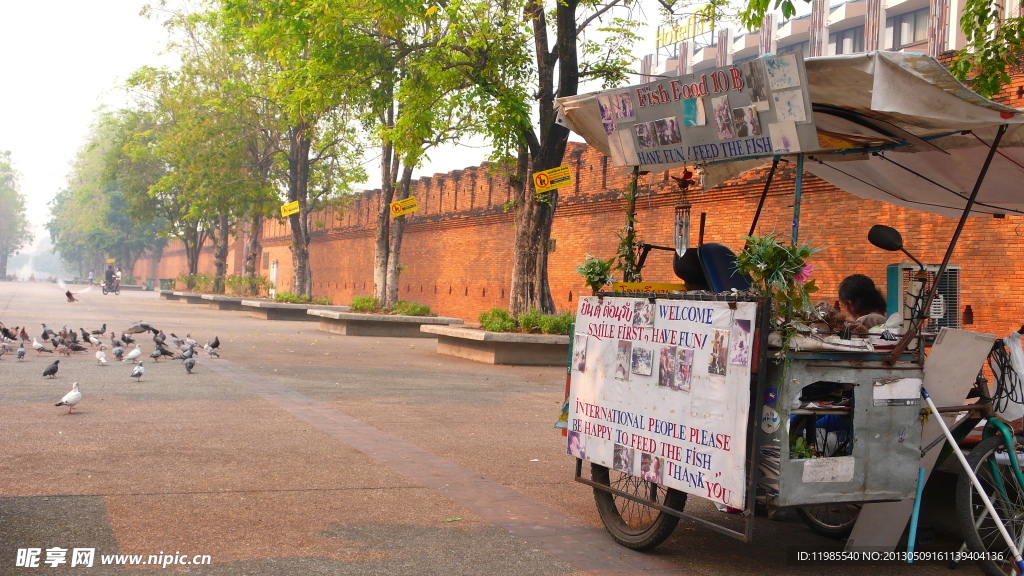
(775,269)
(14,228)
(290,298)
(557,323)
(497,320)
(533,321)
(799,449)
(243,285)
(364,304)
(993,47)
(194,282)
(596,272)
(530,321)
(406,308)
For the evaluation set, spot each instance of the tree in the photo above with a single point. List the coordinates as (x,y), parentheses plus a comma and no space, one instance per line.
(492,48)
(14,228)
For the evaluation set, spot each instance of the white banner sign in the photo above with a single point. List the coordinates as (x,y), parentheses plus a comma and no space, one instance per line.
(662,390)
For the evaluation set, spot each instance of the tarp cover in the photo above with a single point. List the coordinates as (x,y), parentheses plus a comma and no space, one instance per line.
(864,101)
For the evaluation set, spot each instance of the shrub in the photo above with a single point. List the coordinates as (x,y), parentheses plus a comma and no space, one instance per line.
(557,323)
(242,285)
(497,320)
(194,282)
(364,304)
(406,308)
(595,272)
(530,321)
(289,298)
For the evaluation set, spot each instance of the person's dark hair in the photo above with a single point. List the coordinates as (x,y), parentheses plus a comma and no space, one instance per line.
(859,290)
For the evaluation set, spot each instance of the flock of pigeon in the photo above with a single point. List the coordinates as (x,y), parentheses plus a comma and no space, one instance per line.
(124,348)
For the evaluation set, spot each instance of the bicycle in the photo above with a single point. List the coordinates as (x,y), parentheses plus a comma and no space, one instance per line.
(995,461)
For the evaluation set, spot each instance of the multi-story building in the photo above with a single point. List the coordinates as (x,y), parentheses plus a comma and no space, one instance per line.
(925,26)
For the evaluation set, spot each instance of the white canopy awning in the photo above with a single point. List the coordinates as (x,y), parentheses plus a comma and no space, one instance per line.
(894,127)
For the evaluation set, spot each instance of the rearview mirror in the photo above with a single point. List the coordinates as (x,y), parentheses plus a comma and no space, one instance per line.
(885,238)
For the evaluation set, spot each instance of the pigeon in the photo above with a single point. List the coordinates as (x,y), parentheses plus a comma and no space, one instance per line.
(85,335)
(128,340)
(190,363)
(51,370)
(156,355)
(178,342)
(139,327)
(23,335)
(71,398)
(101,357)
(101,331)
(216,343)
(131,356)
(190,341)
(40,348)
(46,333)
(186,354)
(138,372)
(118,352)
(76,347)
(70,296)
(21,352)
(210,351)
(94,340)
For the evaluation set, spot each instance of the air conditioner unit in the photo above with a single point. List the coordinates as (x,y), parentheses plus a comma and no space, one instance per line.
(945,309)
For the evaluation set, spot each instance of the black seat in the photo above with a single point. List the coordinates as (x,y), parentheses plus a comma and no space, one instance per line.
(688,269)
(718,262)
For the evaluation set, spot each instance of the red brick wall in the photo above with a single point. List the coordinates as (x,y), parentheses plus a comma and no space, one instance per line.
(457,251)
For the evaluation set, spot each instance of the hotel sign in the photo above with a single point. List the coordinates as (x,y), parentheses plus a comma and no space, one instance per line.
(691,27)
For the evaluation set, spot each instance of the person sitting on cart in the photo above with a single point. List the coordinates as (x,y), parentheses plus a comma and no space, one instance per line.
(862,300)
(108,276)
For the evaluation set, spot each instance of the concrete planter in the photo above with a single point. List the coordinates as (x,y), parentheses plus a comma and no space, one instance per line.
(501,347)
(268,310)
(387,325)
(190,297)
(218,302)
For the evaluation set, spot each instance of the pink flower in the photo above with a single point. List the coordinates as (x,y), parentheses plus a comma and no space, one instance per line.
(805,274)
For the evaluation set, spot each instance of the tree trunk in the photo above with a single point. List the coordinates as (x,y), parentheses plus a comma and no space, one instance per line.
(397,230)
(3,266)
(220,252)
(381,248)
(253,253)
(298,189)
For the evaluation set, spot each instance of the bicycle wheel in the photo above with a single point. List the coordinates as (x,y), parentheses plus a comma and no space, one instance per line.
(632,524)
(990,461)
(832,520)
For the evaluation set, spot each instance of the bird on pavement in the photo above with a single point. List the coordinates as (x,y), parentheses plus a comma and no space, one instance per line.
(21,352)
(101,357)
(211,348)
(190,363)
(70,296)
(138,372)
(23,335)
(71,398)
(190,341)
(131,356)
(118,352)
(138,328)
(101,331)
(186,353)
(51,370)
(95,341)
(40,348)
(46,333)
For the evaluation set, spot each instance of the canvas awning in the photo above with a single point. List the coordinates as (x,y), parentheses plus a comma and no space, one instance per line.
(892,126)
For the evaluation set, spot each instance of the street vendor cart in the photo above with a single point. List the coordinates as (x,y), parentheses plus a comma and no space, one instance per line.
(691,394)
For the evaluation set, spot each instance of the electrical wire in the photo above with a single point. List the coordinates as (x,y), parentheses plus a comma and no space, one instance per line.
(1008,383)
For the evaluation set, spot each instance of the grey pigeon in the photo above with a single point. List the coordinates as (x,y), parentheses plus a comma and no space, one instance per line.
(138,328)
(138,372)
(118,352)
(21,352)
(51,370)
(190,363)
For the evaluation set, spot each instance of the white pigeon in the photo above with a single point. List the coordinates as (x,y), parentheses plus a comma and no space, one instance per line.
(138,372)
(71,398)
(94,340)
(131,356)
(101,357)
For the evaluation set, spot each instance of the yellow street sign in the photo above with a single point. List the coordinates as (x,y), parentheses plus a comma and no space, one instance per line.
(551,179)
(648,287)
(111,260)
(289,209)
(404,206)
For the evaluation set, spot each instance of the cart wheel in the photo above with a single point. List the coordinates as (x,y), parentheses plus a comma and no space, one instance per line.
(832,520)
(630,523)
(990,462)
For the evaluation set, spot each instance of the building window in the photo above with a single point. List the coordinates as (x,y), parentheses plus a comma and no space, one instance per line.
(799,46)
(905,29)
(849,41)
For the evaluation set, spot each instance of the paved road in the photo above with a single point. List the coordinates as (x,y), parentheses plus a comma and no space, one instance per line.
(301,452)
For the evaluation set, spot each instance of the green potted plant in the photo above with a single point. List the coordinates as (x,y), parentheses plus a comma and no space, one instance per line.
(596,272)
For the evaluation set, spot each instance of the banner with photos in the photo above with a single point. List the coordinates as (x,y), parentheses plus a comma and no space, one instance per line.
(661,390)
(755,108)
